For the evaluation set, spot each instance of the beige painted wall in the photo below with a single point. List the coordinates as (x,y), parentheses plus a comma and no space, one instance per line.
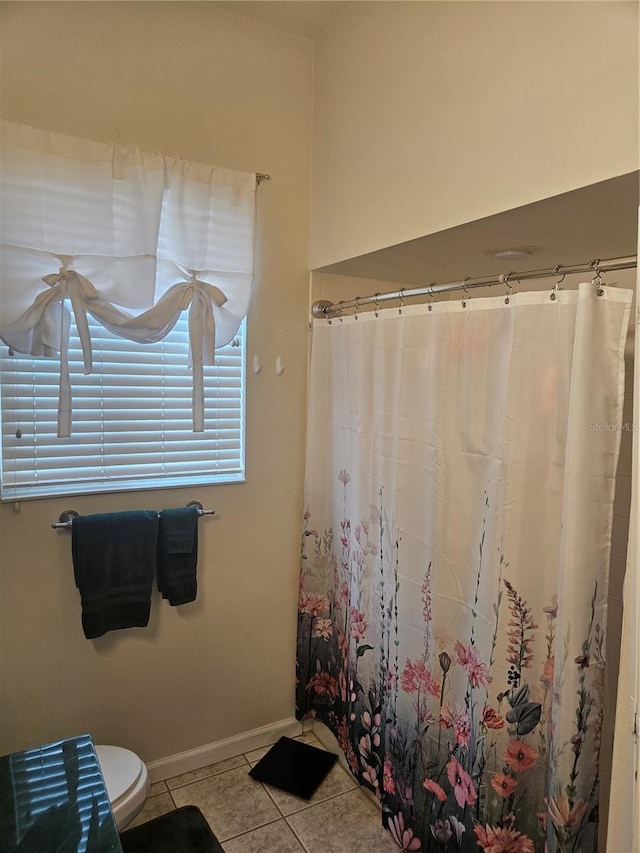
(431,114)
(624,806)
(191,80)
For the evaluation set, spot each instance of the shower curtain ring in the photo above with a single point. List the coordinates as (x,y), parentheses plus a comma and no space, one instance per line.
(556,287)
(466,292)
(356,306)
(509,291)
(430,306)
(401,296)
(375,302)
(597,279)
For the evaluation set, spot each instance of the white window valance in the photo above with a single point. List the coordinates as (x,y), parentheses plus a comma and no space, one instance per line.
(132,238)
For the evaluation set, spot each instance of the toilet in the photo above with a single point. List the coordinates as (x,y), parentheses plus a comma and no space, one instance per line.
(126,780)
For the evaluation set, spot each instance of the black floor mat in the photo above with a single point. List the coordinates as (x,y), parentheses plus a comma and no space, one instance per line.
(182,831)
(295,767)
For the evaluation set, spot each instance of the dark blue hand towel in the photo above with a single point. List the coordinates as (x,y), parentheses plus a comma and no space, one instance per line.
(178,554)
(114,561)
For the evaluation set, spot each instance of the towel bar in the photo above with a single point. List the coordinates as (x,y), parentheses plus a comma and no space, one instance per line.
(65,520)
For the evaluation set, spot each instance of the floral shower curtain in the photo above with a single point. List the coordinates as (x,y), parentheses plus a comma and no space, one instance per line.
(453,594)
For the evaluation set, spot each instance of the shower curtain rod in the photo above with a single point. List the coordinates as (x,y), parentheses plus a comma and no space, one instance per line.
(324,308)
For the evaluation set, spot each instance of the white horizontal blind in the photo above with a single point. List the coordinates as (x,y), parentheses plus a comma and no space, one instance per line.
(132,418)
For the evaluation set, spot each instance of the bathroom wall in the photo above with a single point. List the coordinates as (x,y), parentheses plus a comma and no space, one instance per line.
(186,79)
(428,115)
(616,714)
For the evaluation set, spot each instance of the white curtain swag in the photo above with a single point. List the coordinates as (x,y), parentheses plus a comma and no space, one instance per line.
(115,231)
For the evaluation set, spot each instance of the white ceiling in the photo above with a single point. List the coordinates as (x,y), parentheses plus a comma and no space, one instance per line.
(303,17)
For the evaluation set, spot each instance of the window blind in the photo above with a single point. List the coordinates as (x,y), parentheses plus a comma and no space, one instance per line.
(132,418)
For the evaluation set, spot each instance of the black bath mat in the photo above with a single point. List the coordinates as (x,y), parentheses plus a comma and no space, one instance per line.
(295,767)
(182,831)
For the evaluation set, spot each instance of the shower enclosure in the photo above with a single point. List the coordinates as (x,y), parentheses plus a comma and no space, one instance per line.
(452,621)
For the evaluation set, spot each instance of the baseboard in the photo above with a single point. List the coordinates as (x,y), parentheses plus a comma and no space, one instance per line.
(210,753)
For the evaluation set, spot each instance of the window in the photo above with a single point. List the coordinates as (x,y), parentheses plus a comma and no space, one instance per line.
(116,266)
(132,418)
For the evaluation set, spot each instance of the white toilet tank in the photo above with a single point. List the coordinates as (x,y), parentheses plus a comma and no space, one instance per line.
(126,780)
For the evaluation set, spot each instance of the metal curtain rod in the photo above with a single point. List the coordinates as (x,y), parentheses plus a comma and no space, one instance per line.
(260,177)
(324,308)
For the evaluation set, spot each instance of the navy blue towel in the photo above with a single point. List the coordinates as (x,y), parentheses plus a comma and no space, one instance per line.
(178,554)
(114,561)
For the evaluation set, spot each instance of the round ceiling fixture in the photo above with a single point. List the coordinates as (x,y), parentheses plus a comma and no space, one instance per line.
(512,253)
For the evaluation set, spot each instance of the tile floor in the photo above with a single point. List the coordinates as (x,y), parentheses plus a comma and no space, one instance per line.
(250,817)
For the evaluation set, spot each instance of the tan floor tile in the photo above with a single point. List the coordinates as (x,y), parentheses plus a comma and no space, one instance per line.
(274,838)
(232,802)
(307,737)
(154,807)
(345,824)
(336,782)
(256,754)
(157,788)
(204,772)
